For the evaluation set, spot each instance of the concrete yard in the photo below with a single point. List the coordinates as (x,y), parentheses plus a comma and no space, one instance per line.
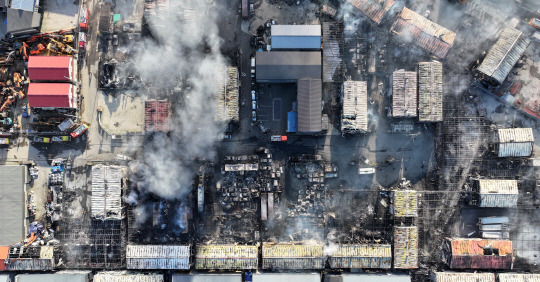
(60,14)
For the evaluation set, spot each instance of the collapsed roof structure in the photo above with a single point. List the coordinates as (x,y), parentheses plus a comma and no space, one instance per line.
(502,57)
(290,256)
(158,257)
(156,116)
(20,258)
(309,105)
(333,45)
(362,256)
(464,253)
(354,116)
(430,91)
(226,257)
(227,107)
(405,203)
(404,93)
(462,277)
(296,37)
(107,192)
(497,193)
(373,9)
(514,142)
(405,247)
(424,33)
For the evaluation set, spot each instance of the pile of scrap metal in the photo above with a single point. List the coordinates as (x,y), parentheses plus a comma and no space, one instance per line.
(53,126)
(56,182)
(118,75)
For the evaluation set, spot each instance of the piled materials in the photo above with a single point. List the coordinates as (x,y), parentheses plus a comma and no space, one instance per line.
(497,193)
(226,257)
(515,142)
(462,277)
(289,256)
(373,9)
(354,117)
(406,247)
(404,93)
(405,203)
(227,95)
(424,33)
(157,257)
(107,192)
(362,256)
(461,253)
(156,116)
(430,91)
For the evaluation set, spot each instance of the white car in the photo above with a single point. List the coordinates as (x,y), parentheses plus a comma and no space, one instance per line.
(253,95)
(254,105)
(253,116)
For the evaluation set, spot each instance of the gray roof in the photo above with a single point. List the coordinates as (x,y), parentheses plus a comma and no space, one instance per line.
(21,21)
(286,277)
(502,57)
(27,5)
(287,66)
(5,278)
(375,278)
(309,105)
(66,276)
(207,278)
(12,204)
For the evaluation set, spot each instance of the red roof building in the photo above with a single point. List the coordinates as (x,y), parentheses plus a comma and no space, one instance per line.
(52,68)
(478,253)
(52,95)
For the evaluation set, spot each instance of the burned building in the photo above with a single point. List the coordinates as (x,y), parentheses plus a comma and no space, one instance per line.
(462,253)
(107,192)
(514,142)
(227,106)
(333,49)
(502,57)
(228,257)
(22,258)
(462,277)
(290,256)
(158,257)
(362,256)
(156,116)
(405,247)
(373,9)
(491,193)
(287,66)
(424,33)
(404,94)
(309,105)
(404,203)
(430,91)
(354,116)
(127,276)
(296,37)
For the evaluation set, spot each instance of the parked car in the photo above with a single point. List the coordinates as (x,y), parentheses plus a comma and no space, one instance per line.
(38,139)
(61,138)
(254,105)
(4,141)
(253,95)
(253,116)
(79,130)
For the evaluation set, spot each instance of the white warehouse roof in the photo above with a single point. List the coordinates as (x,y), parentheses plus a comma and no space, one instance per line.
(515,142)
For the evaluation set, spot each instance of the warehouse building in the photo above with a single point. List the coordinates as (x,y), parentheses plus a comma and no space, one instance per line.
(52,68)
(462,277)
(16,22)
(157,257)
(491,193)
(200,277)
(362,256)
(406,247)
(514,142)
(518,277)
(424,33)
(296,37)
(297,277)
(232,257)
(12,204)
(20,258)
(404,94)
(430,91)
(106,199)
(289,256)
(61,276)
(127,276)
(287,67)
(373,9)
(365,277)
(502,57)
(461,253)
(52,95)
(309,105)
(354,116)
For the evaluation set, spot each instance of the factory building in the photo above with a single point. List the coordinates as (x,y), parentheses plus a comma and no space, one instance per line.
(287,66)
(518,277)
(289,256)
(354,116)
(362,256)
(309,105)
(107,188)
(296,37)
(61,276)
(12,204)
(367,277)
(52,69)
(20,258)
(157,257)
(232,257)
(514,142)
(497,193)
(156,116)
(405,203)
(406,247)
(404,94)
(430,91)
(461,253)
(127,276)
(298,277)
(373,9)
(52,95)
(424,33)
(502,57)
(200,277)
(462,277)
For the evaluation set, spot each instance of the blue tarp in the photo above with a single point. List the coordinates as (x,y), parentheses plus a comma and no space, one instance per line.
(292,122)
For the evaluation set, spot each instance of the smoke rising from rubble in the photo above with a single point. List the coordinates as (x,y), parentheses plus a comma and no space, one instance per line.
(184,48)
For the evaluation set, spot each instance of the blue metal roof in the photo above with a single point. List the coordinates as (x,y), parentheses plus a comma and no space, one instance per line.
(296,42)
(292,122)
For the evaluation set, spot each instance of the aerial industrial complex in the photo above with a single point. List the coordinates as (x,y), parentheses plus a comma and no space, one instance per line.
(270,140)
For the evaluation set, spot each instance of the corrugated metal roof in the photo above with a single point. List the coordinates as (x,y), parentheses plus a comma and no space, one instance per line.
(375,277)
(64,276)
(502,57)
(354,116)
(518,277)
(309,105)
(27,5)
(12,203)
(296,30)
(157,257)
(50,68)
(425,33)
(463,277)
(404,93)
(288,256)
(373,9)
(361,256)
(51,95)
(207,278)
(107,192)
(281,66)
(479,253)
(515,135)
(430,91)
(124,276)
(498,186)
(515,149)
(282,277)
(296,36)
(226,257)
(405,203)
